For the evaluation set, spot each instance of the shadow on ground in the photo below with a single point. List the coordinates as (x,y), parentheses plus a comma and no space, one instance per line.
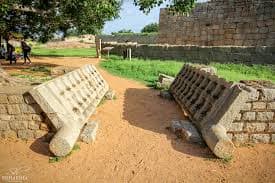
(143,108)
(40,146)
(19,65)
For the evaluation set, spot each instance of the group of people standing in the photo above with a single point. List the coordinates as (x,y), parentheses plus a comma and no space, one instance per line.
(10,55)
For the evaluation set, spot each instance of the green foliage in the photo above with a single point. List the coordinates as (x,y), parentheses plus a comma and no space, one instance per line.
(38,69)
(41,19)
(176,6)
(64,52)
(147,71)
(123,31)
(153,27)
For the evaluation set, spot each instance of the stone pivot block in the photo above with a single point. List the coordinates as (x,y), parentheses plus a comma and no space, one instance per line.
(211,103)
(88,134)
(186,130)
(69,101)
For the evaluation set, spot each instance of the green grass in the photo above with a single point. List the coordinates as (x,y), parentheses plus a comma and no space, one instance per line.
(64,52)
(147,71)
(38,69)
(141,70)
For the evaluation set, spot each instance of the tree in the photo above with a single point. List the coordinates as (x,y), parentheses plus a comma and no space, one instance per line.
(41,19)
(123,31)
(153,27)
(179,6)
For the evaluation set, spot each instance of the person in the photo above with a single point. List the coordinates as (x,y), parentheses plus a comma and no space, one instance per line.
(3,52)
(26,50)
(11,54)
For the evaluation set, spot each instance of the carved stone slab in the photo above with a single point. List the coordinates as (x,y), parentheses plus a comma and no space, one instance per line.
(212,103)
(69,101)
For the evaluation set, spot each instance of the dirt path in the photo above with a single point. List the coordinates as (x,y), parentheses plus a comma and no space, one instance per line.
(133,146)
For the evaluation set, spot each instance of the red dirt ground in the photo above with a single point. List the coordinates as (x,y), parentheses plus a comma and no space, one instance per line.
(133,145)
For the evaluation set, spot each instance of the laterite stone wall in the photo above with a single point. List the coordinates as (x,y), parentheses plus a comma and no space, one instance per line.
(220,23)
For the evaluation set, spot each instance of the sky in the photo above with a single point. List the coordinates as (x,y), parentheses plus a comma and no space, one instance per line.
(132,18)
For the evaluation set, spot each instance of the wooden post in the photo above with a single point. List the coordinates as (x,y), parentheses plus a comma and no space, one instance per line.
(130,54)
(98,48)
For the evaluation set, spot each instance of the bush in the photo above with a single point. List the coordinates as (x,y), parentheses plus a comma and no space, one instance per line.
(123,31)
(153,27)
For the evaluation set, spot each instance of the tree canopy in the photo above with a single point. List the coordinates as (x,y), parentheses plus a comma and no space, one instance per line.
(41,19)
(153,27)
(180,6)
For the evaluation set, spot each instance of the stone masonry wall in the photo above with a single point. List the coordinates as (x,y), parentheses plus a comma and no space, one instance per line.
(198,54)
(221,22)
(136,38)
(20,116)
(256,121)
(245,110)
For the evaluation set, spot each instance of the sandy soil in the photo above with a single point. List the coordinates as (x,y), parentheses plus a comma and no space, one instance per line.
(133,145)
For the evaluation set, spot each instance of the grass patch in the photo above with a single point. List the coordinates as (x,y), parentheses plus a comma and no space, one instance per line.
(56,159)
(64,52)
(141,70)
(44,69)
(147,71)
(32,78)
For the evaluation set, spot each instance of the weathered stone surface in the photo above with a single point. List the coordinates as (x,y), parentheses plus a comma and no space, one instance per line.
(211,70)
(13,109)
(273,138)
(37,117)
(44,127)
(3,99)
(165,81)
(3,109)
(268,94)
(5,117)
(23,117)
(30,109)
(88,134)
(69,101)
(8,134)
(110,95)
(227,23)
(256,127)
(265,116)
(235,127)
(260,138)
(246,107)
(271,105)
(33,125)
(15,99)
(165,94)
(18,125)
(26,134)
(259,105)
(238,117)
(230,136)
(212,104)
(272,127)
(40,134)
(249,116)
(241,138)
(186,130)
(4,125)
